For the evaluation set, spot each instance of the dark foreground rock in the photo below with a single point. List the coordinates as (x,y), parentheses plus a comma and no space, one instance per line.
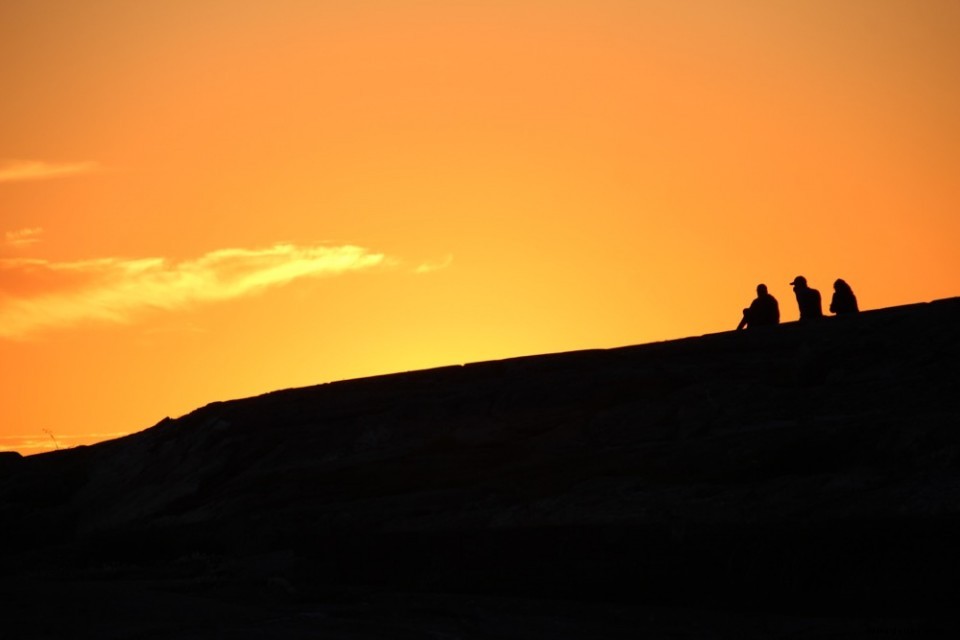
(801,481)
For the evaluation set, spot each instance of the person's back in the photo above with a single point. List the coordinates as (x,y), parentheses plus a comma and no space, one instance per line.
(843,301)
(811,306)
(808,300)
(763,311)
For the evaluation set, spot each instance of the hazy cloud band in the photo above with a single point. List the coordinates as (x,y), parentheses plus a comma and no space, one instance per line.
(38,294)
(22,170)
(48,441)
(23,237)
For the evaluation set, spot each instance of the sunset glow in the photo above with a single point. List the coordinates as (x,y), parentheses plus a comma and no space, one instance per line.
(202,200)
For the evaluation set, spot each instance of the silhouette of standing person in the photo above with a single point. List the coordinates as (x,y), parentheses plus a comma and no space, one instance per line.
(764,311)
(807,299)
(843,301)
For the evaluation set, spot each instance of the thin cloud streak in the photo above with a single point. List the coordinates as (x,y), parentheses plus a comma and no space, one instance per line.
(48,441)
(430,267)
(23,237)
(24,170)
(119,290)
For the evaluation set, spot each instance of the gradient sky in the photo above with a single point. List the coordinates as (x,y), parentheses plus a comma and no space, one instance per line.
(209,199)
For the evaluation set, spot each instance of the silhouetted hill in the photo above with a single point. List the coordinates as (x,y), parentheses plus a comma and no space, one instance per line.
(784,482)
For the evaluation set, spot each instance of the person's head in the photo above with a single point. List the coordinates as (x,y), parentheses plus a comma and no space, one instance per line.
(840,285)
(799,283)
(761,289)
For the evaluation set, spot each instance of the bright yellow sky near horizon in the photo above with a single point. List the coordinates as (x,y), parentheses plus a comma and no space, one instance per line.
(209,199)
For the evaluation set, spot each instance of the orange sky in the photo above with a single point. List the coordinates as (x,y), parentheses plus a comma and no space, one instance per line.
(209,199)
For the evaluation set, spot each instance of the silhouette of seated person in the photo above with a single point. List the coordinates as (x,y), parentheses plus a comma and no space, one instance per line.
(762,312)
(843,302)
(807,299)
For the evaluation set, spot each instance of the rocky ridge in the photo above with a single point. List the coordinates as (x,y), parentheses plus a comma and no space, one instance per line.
(797,473)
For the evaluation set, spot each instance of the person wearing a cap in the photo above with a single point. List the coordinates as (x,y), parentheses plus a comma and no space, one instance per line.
(807,299)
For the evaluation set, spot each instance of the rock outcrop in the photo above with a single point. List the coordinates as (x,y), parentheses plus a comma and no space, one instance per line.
(802,472)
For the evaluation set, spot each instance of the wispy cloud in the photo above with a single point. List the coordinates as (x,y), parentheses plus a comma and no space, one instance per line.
(430,267)
(39,294)
(22,170)
(23,237)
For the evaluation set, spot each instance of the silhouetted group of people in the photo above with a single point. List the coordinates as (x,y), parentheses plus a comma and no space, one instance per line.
(764,310)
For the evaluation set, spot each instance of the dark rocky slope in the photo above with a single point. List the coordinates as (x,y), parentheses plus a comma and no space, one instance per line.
(802,479)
